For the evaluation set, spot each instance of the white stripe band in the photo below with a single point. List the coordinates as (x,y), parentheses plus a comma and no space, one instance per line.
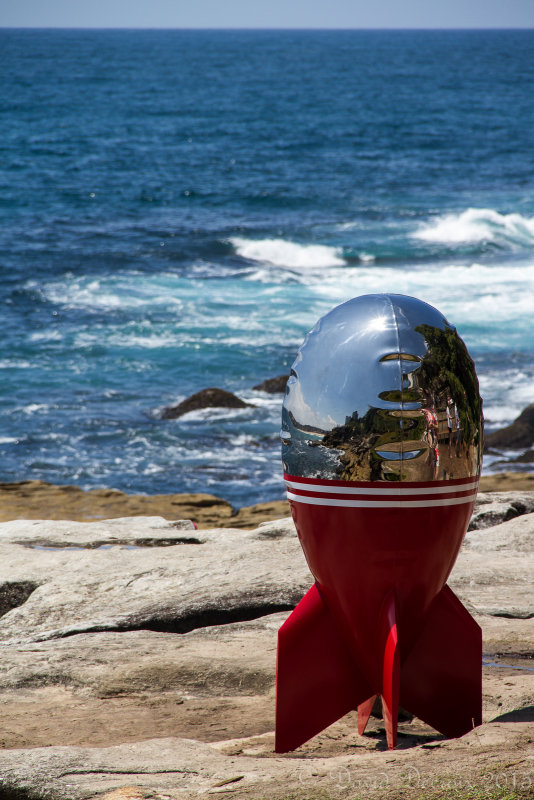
(338,501)
(329,489)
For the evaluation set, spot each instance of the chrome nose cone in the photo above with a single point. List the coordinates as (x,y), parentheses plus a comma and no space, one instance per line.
(382,388)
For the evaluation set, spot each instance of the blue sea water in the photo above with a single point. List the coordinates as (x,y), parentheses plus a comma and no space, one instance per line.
(177,208)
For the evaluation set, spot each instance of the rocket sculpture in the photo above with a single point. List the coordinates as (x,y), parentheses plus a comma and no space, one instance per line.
(381,448)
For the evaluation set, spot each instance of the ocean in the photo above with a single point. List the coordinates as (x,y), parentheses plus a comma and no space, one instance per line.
(178,208)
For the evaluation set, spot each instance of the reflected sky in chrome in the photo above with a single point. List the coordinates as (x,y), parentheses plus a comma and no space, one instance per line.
(382,388)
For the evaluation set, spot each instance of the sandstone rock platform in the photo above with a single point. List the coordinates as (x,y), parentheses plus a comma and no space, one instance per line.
(138,661)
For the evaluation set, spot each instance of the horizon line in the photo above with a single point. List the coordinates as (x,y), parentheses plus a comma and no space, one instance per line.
(262,28)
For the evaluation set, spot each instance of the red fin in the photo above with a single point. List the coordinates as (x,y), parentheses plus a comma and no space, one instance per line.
(390,670)
(364,712)
(317,681)
(441,678)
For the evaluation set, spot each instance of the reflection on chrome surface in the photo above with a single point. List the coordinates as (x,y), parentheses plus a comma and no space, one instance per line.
(382,388)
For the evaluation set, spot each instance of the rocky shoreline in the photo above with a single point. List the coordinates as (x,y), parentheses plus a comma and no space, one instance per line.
(41,500)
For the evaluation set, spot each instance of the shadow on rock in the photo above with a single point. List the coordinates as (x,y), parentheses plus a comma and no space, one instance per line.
(518,715)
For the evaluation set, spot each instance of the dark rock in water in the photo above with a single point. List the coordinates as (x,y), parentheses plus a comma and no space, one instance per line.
(520,434)
(206,398)
(525,458)
(273,385)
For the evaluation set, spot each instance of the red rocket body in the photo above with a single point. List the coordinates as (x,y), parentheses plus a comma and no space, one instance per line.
(381,447)
(380,620)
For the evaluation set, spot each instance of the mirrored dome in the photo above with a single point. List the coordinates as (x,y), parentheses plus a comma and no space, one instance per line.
(382,388)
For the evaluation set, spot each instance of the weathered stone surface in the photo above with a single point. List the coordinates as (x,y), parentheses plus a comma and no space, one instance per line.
(252,516)
(506,637)
(211,576)
(40,500)
(14,594)
(492,508)
(508,482)
(206,661)
(273,385)
(520,434)
(110,576)
(513,537)
(206,398)
(494,573)
(104,688)
(183,768)
(220,575)
(91,666)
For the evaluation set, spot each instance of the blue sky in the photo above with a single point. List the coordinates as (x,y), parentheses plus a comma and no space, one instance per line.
(268,14)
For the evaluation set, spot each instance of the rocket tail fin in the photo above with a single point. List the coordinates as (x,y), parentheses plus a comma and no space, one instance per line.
(317,681)
(390,674)
(364,712)
(390,669)
(441,677)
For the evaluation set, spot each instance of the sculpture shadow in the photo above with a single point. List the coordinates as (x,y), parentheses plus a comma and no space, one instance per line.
(525,714)
(405,740)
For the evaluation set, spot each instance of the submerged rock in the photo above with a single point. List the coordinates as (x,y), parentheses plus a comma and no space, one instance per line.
(206,398)
(273,385)
(520,434)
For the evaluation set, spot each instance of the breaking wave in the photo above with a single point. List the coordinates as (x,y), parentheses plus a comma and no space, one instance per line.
(479,226)
(281,253)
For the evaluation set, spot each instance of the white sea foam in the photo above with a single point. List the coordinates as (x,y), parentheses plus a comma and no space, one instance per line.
(281,253)
(505,396)
(46,336)
(266,275)
(349,226)
(479,225)
(498,416)
(271,402)
(31,408)
(129,291)
(501,409)
(215,413)
(147,342)
(475,293)
(7,363)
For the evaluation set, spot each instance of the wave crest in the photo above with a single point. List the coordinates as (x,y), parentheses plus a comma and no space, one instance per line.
(479,226)
(281,253)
